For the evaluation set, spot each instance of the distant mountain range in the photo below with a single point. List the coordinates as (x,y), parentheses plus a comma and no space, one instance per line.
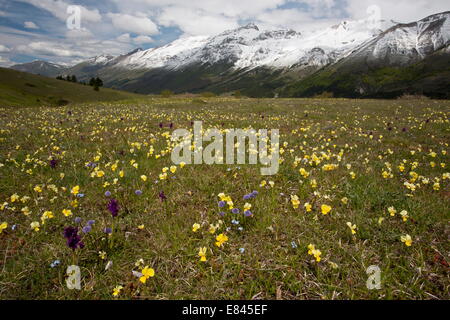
(351,59)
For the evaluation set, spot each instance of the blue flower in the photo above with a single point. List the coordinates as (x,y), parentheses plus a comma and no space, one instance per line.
(107,194)
(90,222)
(293,245)
(248,213)
(87,229)
(241,250)
(77,220)
(107,230)
(221,204)
(138,192)
(235,210)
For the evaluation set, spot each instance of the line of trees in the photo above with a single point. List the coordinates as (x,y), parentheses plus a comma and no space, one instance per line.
(95,82)
(70,78)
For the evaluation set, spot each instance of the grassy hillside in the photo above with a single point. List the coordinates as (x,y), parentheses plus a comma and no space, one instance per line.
(24,89)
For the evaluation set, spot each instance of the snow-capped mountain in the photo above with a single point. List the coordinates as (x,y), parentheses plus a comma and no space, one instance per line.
(233,59)
(251,47)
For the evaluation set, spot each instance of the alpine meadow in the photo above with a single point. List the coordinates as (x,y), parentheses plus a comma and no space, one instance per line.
(242,151)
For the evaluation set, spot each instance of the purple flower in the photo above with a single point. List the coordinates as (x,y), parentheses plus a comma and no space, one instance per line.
(107,230)
(161,124)
(162,196)
(53,163)
(107,194)
(90,222)
(221,213)
(87,229)
(235,210)
(72,237)
(254,193)
(77,220)
(138,192)
(221,204)
(113,207)
(247,196)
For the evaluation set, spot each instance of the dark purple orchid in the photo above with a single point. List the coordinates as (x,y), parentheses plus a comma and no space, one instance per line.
(162,196)
(113,207)
(73,238)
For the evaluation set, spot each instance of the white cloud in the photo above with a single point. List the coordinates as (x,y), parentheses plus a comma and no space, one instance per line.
(124,38)
(59,9)
(142,40)
(139,23)
(400,10)
(30,25)
(4,48)
(195,22)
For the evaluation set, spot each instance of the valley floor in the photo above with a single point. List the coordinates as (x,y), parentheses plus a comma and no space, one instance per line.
(361,183)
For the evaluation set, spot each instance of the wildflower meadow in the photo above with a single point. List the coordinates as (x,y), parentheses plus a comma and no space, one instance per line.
(92,206)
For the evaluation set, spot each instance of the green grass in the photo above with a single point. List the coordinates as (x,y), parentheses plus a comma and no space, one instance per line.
(338,131)
(24,89)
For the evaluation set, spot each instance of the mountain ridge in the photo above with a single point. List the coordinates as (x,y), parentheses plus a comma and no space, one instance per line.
(278,59)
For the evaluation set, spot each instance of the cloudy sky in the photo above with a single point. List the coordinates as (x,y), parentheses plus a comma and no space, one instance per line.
(49,30)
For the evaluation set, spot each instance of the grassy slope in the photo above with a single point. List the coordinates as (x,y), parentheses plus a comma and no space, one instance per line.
(24,89)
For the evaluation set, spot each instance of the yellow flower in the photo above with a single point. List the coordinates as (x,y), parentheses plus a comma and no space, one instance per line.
(163,176)
(195,227)
(144,177)
(116,290)
(344,200)
(247,206)
(436,186)
(352,175)
(380,220)
(100,173)
(182,164)
(202,254)
(102,255)
(295,201)
(37,189)
(14,197)
(146,273)
(263,183)
(221,239)
(303,172)
(67,212)
(121,173)
(392,211)
(3,226)
(308,207)
(404,215)
(26,211)
(75,190)
(406,239)
(173,169)
(35,225)
(141,227)
(325,209)
(271,183)
(352,227)
(314,252)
